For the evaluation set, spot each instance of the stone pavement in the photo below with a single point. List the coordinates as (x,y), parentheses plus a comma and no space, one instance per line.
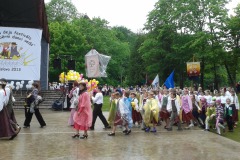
(54,142)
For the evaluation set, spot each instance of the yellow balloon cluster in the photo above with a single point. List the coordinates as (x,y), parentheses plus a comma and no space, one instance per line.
(92,84)
(70,76)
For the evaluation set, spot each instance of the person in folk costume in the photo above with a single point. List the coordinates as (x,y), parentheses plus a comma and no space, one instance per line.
(228,113)
(219,117)
(223,98)
(186,109)
(74,101)
(156,95)
(123,115)
(83,115)
(208,96)
(235,107)
(210,116)
(112,110)
(33,97)
(173,107)
(196,109)
(9,104)
(164,114)
(136,115)
(142,102)
(151,114)
(6,128)
(203,109)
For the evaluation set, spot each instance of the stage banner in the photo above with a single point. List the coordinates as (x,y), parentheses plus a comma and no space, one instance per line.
(193,69)
(20,53)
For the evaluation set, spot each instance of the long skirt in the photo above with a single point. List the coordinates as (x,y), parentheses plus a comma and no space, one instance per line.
(187,116)
(235,115)
(136,116)
(70,120)
(6,127)
(118,120)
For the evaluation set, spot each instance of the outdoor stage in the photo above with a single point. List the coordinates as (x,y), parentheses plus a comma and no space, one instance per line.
(55,143)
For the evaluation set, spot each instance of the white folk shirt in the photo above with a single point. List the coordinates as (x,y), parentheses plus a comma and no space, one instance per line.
(98,99)
(234,100)
(208,98)
(223,99)
(8,92)
(2,99)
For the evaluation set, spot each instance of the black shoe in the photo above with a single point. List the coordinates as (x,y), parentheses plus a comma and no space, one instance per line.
(128,132)
(143,129)
(26,126)
(75,136)
(92,128)
(125,131)
(15,135)
(84,136)
(42,126)
(169,129)
(108,127)
(111,134)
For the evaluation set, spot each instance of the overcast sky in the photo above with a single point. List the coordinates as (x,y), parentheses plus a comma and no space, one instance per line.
(129,13)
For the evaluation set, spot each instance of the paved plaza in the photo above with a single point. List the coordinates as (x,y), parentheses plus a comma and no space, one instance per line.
(54,142)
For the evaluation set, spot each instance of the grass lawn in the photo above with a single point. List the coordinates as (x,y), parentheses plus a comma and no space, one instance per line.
(106,103)
(235,135)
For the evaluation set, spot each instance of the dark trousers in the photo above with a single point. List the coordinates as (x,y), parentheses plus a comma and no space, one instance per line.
(229,122)
(97,112)
(38,116)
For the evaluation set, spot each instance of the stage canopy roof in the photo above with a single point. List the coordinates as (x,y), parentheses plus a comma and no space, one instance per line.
(24,13)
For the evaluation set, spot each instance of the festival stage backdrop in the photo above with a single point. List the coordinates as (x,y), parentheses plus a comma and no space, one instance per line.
(193,69)
(20,53)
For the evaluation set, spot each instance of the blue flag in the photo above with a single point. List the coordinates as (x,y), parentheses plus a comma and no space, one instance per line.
(169,83)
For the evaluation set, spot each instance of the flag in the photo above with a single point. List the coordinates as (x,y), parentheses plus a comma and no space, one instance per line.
(169,83)
(156,81)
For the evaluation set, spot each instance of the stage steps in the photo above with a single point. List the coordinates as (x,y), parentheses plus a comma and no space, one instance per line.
(49,95)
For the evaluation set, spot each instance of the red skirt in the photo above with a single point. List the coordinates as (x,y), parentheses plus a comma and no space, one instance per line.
(235,116)
(187,116)
(118,120)
(136,116)
(164,114)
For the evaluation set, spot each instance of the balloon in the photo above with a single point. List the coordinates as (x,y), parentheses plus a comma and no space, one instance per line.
(22,82)
(18,83)
(21,85)
(12,82)
(17,88)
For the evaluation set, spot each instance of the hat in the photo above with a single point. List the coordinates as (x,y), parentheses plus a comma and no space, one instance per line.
(134,93)
(218,101)
(14,43)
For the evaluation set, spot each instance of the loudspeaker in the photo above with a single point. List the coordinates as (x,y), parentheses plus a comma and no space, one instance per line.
(57,64)
(71,65)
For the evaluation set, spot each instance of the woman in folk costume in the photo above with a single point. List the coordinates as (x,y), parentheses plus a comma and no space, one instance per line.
(164,114)
(173,108)
(235,106)
(210,116)
(83,115)
(186,109)
(74,101)
(219,117)
(228,113)
(203,107)
(196,110)
(136,115)
(112,110)
(6,129)
(151,114)
(123,115)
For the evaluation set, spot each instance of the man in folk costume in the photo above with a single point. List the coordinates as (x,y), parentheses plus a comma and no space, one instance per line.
(219,117)
(151,113)
(235,106)
(136,115)
(173,108)
(187,109)
(123,115)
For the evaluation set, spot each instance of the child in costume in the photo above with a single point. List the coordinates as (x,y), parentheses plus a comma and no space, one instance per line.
(112,110)
(173,108)
(136,115)
(142,102)
(235,107)
(210,114)
(228,113)
(219,117)
(164,114)
(196,109)
(151,113)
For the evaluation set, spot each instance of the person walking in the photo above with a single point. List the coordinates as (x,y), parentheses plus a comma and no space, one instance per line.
(33,98)
(97,111)
(83,116)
